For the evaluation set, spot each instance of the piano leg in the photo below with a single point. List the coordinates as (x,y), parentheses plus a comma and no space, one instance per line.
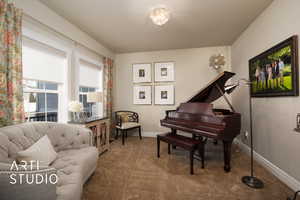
(192,162)
(227,155)
(174,131)
(215,142)
(158,147)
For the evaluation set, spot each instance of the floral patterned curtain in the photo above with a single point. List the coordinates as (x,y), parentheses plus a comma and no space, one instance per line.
(108,86)
(11,92)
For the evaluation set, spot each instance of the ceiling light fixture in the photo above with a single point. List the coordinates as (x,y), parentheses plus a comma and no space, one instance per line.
(160,15)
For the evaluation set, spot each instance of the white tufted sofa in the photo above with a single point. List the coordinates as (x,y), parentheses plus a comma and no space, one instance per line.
(75,163)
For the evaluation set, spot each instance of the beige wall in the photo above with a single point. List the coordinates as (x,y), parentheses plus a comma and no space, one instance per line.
(192,72)
(274,118)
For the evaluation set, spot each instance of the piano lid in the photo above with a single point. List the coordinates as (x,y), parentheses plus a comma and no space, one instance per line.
(211,92)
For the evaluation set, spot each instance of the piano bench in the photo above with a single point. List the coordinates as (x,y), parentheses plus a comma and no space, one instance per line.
(189,144)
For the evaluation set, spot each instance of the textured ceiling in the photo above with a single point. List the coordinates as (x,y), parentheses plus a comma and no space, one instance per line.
(124,25)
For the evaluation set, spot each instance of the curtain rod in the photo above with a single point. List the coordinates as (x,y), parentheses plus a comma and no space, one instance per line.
(61,34)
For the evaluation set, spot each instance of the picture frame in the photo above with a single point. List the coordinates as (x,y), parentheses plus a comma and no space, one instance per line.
(274,72)
(164,71)
(142,73)
(142,95)
(164,95)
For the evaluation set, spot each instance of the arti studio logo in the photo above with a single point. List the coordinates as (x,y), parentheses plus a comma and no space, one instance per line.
(30,173)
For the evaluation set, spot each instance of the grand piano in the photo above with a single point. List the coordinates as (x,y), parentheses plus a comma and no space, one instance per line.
(198,117)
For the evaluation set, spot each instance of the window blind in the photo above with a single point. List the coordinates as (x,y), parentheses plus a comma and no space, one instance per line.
(41,62)
(90,75)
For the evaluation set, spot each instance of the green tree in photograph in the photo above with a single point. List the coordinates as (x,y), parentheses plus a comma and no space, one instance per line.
(284,52)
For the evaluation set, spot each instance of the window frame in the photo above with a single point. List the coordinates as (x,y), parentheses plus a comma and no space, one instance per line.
(47,91)
(80,56)
(85,93)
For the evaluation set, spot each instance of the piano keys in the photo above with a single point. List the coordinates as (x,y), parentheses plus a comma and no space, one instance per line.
(198,116)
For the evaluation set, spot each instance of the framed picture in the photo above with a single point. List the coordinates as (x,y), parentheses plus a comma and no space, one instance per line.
(142,73)
(142,95)
(164,71)
(275,71)
(164,95)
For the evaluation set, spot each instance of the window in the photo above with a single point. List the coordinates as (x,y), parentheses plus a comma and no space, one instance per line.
(89,108)
(44,76)
(90,80)
(41,100)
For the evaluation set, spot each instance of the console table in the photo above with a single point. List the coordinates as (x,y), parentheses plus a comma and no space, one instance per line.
(100,132)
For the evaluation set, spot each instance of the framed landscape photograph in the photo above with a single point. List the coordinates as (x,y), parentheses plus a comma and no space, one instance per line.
(142,73)
(142,95)
(275,71)
(164,95)
(164,71)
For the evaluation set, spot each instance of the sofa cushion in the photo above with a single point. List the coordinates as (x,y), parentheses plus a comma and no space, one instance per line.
(125,116)
(41,151)
(128,125)
(68,137)
(70,191)
(69,185)
(83,160)
(25,190)
(20,137)
(76,158)
(17,138)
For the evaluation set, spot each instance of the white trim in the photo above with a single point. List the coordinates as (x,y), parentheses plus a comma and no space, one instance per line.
(148,134)
(98,63)
(32,30)
(46,17)
(276,171)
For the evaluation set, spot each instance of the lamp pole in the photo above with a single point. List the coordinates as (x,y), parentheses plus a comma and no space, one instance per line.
(251,180)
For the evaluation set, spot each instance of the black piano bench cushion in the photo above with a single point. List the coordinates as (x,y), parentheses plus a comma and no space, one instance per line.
(187,143)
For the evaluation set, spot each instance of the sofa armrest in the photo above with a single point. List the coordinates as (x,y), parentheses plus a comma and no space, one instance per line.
(23,184)
(87,134)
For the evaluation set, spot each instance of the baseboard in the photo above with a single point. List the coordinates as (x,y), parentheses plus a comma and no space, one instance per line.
(148,134)
(154,134)
(276,171)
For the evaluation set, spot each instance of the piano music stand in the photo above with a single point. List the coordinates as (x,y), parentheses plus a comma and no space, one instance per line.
(251,180)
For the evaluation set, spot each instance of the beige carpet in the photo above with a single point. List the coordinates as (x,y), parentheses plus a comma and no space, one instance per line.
(133,172)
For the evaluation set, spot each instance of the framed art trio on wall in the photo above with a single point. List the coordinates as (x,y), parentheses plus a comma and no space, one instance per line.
(163,90)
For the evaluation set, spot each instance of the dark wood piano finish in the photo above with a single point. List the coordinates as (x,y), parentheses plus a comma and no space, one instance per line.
(198,117)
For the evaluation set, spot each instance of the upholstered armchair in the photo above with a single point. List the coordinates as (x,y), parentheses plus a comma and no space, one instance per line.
(125,121)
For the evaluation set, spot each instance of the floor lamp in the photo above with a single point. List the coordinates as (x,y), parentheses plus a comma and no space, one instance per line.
(251,180)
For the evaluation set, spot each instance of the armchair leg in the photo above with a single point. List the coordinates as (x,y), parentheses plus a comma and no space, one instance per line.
(140,133)
(123,137)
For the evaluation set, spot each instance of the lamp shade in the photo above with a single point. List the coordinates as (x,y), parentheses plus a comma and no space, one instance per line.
(75,106)
(94,97)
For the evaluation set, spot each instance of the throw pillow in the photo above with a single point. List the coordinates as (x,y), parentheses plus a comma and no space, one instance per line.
(41,151)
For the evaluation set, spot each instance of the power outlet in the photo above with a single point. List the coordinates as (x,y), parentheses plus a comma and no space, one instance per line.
(246,135)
